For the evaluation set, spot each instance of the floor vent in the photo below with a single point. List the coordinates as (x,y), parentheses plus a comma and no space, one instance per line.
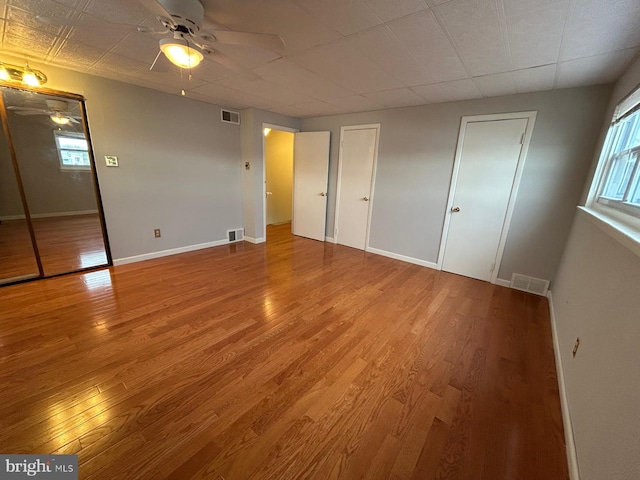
(235,235)
(227,116)
(529,284)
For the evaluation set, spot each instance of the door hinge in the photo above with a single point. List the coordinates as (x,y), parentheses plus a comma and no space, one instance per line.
(493,267)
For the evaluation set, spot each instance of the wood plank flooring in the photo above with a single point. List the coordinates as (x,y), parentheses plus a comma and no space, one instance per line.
(290,360)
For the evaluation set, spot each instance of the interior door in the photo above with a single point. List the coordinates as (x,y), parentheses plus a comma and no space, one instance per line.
(485,180)
(355,185)
(310,178)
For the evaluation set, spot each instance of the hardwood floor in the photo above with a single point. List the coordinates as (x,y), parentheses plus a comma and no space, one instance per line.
(66,244)
(290,360)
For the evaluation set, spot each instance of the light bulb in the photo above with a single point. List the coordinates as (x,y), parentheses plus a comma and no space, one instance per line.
(29,78)
(4,75)
(266,131)
(59,119)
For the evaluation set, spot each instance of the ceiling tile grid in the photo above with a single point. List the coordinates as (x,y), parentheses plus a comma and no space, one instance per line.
(344,55)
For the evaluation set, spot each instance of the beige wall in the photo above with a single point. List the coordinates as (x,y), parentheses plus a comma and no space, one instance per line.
(278,156)
(595,297)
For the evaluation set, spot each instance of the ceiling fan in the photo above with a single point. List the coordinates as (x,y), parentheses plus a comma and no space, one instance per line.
(57,111)
(186,43)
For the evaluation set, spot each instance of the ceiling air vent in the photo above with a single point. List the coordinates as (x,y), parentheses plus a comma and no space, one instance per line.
(525,283)
(228,116)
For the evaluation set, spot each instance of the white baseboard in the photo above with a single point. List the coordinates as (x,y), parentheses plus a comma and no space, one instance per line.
(8,218)
(254,240)
(572,457)
(329,239)
(166,253)
(50,215)
(397,256)
(503,283)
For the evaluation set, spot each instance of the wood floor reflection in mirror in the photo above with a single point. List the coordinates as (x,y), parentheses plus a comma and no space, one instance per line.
(286,360)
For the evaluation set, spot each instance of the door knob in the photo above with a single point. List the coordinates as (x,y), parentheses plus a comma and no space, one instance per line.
(455,209)
(322,194)
(366,199)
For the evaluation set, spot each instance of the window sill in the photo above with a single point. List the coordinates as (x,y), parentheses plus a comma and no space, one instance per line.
(623,233)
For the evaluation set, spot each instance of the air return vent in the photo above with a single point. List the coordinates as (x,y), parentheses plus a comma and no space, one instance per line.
(529,284)
(228,116)
(235,235)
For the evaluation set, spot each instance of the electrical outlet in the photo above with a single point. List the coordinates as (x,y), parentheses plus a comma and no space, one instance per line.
(156,233)
(575,347)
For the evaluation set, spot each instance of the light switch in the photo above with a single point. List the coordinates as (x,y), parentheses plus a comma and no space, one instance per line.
(111,161)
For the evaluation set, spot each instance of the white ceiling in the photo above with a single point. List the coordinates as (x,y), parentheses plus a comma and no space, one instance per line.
(350,55)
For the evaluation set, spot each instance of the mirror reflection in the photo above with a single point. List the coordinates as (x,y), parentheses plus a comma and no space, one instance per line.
(53,159)
(17,258)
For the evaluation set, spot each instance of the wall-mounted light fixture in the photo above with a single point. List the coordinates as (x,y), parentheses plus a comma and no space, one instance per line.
(25,75)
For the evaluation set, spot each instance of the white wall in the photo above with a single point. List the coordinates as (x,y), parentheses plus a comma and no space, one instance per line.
(596,297)
(179,168)
(415,162)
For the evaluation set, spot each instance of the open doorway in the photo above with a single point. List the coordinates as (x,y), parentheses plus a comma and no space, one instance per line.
(278,163)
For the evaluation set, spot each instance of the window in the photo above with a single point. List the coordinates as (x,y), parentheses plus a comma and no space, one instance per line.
(620,183)
(73,150)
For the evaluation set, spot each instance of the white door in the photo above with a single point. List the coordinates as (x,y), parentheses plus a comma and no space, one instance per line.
(487,162)
(355,183)
(310,177)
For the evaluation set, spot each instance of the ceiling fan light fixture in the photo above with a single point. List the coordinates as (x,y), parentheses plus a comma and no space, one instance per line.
(60,120)
(181,52)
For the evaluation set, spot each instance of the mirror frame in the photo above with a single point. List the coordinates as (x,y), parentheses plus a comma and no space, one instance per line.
(94,175)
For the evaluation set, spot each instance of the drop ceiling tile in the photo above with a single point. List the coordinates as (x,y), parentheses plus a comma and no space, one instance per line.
(345,17)
(605,68)
(535,36)
(105,38)
(422,36)
(118,11)
(78,54)
(495,85)
(46,8)
(24,39)
(534,79)
(342,64)
(21,17)
(601,26)
(287,74)
(401,97)
(520,7)
(249,57)
(475,28)
(389,10)
(316,109)
(138,46)
(211,71)
(448,91)
(267,90)
(355,103)
(118,64)
(382,47)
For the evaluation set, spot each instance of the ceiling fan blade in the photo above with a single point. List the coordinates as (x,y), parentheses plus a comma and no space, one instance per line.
(74,120)
(268,41)
(225,61)
(25,109)
(32,113)
(158,10)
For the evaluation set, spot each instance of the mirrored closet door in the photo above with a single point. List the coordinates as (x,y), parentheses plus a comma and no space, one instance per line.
(51,219)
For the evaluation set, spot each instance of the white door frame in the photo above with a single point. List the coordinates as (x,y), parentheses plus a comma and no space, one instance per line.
(264,170)
(530,116)
(343,129)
